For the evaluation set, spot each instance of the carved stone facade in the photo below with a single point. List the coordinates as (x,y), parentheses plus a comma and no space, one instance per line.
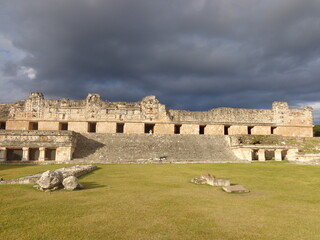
(37,145)
(150,116)
(39,129)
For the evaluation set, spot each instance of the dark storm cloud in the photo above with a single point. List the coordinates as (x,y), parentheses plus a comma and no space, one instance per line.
(191,54)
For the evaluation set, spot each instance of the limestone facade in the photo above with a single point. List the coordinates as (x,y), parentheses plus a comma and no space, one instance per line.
(150,116)
(37,145)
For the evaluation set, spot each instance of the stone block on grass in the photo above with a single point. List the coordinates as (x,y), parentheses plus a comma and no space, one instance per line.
(71,183)
(221,182)
(50,180)
(235,189)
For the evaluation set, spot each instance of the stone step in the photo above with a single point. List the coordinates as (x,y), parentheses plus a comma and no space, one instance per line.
(154,148)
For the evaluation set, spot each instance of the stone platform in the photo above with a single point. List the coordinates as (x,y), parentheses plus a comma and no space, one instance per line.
(152,148)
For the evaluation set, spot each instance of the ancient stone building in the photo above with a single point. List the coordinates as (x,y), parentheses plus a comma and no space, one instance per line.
(36,118)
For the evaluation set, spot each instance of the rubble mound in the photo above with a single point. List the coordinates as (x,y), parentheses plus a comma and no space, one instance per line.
(71,183)
(50,180)
(211,180)
(220,182)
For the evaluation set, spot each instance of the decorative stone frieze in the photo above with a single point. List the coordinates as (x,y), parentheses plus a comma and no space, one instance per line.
(284,120)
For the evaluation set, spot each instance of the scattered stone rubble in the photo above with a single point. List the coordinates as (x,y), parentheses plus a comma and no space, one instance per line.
(71,183)
(211,180)
(220,182)
(53,180)
(50,180)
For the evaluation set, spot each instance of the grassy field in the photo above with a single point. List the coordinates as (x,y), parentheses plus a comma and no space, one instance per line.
(159,202)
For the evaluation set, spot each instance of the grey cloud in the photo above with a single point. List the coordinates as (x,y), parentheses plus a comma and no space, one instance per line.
(192,54)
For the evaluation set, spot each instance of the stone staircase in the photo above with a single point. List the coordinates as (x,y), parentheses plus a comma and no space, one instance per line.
(155,148)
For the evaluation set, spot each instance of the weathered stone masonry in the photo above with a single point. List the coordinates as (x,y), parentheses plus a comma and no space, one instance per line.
(37,145)
(40,118)
(149,115)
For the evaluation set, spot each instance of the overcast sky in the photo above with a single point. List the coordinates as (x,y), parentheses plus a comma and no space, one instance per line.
(191,54)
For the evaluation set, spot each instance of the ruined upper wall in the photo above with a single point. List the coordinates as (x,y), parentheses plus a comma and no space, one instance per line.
(36,107)
(149,109)
(4,110)
(280,114)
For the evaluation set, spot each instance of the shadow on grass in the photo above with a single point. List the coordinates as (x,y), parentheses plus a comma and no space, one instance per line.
(92,185)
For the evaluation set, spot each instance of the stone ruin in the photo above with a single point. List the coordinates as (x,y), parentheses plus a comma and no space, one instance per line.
(219,182)
(211,180)
(150,116)
(43,130)
(52,180)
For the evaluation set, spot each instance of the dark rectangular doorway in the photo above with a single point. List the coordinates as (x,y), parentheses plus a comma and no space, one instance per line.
(254,155)
(269,154)
(177,128)
(149,128)
(50,154)
(3,125)
(34,154)
(250,130)
(202,129)
(120,127)
(33,125)
(63,126)
(14,154)
(92,127)
(226,130)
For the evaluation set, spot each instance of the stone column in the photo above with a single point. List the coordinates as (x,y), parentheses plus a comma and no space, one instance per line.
(249,155)
(3,154)
(291,154)
(261,155)
(25,154)
(42,154)
(278,154)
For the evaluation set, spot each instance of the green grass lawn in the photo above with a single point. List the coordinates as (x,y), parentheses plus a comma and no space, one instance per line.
(159,202)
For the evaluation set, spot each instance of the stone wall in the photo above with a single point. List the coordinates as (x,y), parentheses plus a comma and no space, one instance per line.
(36,112)
(164,128)
(48,125)
(264,147)
(61,144)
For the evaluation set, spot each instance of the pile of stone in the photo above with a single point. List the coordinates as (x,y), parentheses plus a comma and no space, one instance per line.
(211,180)
(53,180)
(220,182)
(77,170)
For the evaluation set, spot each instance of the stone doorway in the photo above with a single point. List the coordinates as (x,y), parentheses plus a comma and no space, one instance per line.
(270,155)
(92,127)
(50,154)
(34,154)
(63,126)
(120,128)
(254,155)
(226,130)
(177,128)
(14,154)
(149,128)
(202,129)
(284,154)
